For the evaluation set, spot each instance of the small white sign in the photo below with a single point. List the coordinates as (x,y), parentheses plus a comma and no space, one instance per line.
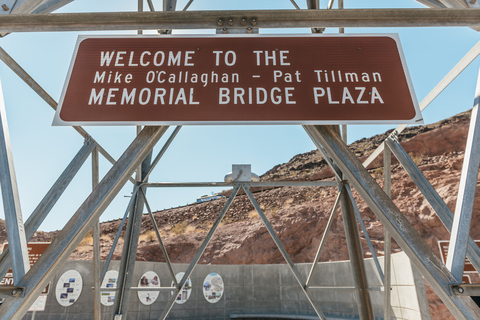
(149,279)
(39,304)
(110,281)
(213,287)
(69,287)
(186,291)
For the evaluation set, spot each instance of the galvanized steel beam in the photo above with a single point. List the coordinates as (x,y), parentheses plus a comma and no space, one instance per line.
(338,174)
(50,6)
(169,5)
(11,292)
(445,82)
(11,201)
(439,206)
(22,74)
(250,184)
(187,5)
(351,18)
(355,253)
(199,253)
(50,199)
(434,271)
(324,238)
(81,222)
(454,3)
(160,241)
(432,3)
(163,150)
(33,6)
(97,306)
(284,253)
(462,218)
(119,231)
(132,234)
(313,4)
(24,6)
(466,289)
(387,243)
(365,233)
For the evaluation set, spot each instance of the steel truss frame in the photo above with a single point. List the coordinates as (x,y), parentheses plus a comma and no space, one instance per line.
(346,167)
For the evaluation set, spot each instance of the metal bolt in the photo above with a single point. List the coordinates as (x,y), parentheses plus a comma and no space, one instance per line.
(220,22)
(225,30)
(230,21)
(460,290)
(253,21)
(249,30)
(5,7)
(243,22)
(14,292)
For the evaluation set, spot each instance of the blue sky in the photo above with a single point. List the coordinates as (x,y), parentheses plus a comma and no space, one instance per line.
(199,153)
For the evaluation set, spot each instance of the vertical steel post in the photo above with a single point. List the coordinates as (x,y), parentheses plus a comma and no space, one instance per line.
(356,257)
(119,231)
(341,31)
(387,244)
(97,306)
(11,201)
(127,264)
(466,195)
(163,150)
(81,222)
(365,233)
(168,5)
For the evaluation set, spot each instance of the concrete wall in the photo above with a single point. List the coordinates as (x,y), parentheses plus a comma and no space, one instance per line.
(252,289)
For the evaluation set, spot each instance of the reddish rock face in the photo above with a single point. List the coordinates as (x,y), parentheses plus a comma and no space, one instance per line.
(299,214)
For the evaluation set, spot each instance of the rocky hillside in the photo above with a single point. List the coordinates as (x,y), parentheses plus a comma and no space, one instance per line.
(299,214)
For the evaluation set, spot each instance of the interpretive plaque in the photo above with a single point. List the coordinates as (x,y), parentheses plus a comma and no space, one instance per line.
(314,79)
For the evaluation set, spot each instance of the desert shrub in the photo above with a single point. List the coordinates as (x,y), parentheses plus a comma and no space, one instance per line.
(179,227)
(379,171)
(151,235)
(253,214)
(274,211)
(88,239)
(416,158)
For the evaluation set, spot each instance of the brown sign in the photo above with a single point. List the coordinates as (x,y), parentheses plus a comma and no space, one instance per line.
(444,244)
(237,80)
(35,250)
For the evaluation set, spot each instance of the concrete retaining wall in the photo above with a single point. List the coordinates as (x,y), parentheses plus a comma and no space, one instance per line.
(266,289)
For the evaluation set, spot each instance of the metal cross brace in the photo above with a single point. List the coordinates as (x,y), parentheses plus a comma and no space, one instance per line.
(81,222)
(439,206)
(434,271)
(199,253)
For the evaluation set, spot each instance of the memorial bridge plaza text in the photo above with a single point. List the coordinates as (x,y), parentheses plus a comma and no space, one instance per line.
(166,87)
